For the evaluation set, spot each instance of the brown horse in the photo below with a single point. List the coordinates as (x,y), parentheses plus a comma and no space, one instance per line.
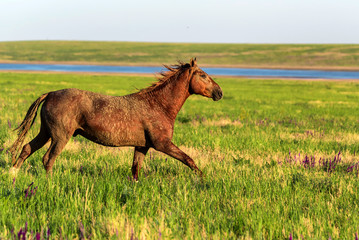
(144,119)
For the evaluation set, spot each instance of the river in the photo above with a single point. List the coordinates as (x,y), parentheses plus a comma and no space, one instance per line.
(241,72)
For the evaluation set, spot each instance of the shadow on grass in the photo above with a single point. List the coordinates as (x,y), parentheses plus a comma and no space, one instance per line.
(3,163)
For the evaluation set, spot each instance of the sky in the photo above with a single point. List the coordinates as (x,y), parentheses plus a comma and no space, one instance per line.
(203,21)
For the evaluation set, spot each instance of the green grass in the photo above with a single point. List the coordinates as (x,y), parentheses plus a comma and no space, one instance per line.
(125,53)
(252,188)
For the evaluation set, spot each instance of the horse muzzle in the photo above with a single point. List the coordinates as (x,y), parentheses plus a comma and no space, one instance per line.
(217,94)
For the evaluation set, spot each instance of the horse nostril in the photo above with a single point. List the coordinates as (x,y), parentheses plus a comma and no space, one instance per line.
(220,93)
(217,94)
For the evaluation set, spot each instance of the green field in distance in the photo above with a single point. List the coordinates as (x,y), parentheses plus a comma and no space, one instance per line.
(320,56)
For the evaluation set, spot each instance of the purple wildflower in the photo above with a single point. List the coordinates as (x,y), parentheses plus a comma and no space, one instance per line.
(309,162)
(48,233)
(1,149)
(132,234)
(356,236)
(290,236)
(38,236)
(19,234)
(330,165)
(9,123)
(33,191)
(306,162)
(350,168)
(28,190)
(81,231)
(312,159)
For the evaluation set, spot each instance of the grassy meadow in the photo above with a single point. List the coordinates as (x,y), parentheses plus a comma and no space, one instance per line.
(322,56)
(280,159)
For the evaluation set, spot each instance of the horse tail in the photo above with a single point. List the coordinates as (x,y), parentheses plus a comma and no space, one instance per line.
(25,126)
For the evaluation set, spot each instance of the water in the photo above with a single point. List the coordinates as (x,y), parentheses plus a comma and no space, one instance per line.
(78,68)
(243,72)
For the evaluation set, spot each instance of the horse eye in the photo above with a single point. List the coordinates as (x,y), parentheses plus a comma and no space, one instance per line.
(203,76)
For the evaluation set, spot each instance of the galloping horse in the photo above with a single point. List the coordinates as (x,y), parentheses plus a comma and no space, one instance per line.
(144,119)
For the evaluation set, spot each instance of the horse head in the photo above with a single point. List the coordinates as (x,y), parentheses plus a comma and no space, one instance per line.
(202,84)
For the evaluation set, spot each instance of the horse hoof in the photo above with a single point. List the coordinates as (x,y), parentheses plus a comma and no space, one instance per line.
(13,171)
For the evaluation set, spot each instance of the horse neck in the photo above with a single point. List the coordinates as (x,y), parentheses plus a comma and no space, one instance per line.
(173,95)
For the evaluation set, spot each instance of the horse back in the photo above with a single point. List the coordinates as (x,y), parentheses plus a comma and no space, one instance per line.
(108,120)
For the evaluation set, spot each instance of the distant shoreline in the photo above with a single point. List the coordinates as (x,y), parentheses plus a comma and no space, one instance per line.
(340,57)
(324,68)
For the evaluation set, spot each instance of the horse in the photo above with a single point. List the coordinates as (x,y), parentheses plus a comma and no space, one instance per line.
(144,119)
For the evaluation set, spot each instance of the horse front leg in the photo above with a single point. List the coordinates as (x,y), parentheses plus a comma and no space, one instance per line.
(172,150)
(139,155)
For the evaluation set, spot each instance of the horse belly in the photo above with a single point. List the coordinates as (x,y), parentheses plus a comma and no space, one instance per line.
(116,134)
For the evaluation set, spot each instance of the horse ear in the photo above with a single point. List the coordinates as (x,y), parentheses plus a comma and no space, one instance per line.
(193,62)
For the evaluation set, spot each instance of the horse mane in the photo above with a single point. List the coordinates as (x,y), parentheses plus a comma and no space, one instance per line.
(165,77)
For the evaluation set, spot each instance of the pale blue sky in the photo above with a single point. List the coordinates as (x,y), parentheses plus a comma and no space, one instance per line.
(229,21)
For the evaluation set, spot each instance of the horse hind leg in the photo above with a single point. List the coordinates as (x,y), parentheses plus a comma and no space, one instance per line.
(56,147)
(38,142)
